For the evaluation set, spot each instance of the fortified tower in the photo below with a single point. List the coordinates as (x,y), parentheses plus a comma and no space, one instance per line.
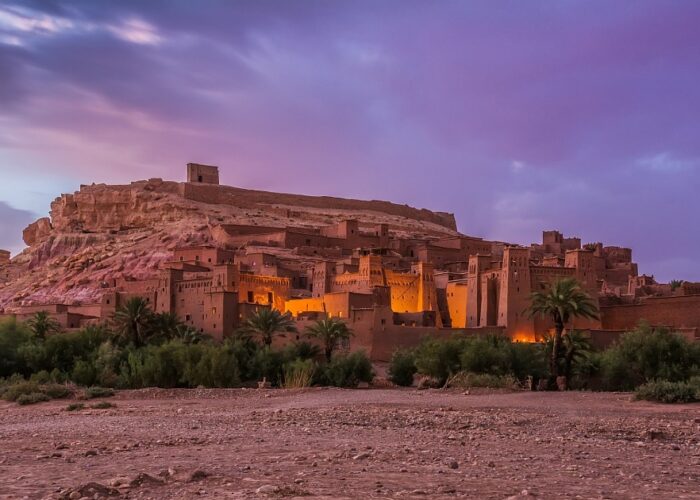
(515,293)
(202,174)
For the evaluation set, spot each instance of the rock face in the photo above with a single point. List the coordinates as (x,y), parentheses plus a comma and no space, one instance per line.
(105,232)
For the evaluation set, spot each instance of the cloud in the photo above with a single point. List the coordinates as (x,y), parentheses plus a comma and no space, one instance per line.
(12,222)
(438,105)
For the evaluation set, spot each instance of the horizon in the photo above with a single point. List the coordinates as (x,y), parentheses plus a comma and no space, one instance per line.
(516,118)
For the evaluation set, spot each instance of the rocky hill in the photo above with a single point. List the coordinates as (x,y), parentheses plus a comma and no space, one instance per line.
(103,232)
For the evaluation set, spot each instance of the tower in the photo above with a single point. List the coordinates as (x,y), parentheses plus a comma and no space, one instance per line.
(202,174)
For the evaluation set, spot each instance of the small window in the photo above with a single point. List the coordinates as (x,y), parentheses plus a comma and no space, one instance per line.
(269,297)
(250,296)
(200,179)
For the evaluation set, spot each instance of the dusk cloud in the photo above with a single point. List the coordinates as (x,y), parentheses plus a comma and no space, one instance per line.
(573,115)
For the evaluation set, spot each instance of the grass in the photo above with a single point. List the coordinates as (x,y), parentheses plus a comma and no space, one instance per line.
(103,405)
(664,391)
(469,379)
(75,407)
(32,398)
(98,392)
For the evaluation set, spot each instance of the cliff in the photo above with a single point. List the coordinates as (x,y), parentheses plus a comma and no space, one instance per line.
(105,232)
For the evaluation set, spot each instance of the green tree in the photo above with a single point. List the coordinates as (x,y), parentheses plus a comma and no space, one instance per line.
(330,331)
(266,324)
(189,335)
(165,325)
(562,301)
(41,325)
(577,346)
(133,321)
(675,284)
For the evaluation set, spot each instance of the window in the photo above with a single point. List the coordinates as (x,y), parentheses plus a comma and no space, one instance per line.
(250,296)
(187,317)
(199,178)
(269,297)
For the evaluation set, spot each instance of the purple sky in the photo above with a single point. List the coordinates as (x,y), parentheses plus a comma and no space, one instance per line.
(516,116)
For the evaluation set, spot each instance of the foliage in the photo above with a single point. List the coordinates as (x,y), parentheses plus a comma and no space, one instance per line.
(267,323)
(41,325)
(98,392)
(676,284)
(402,368)
(470,379)
(133,322)
(647,354)
(347,370)
(299,373)
(32,398)
(564,300)
(439,358)
(103,405)
(14,338)
(665,391)
(330,331)
(75,407)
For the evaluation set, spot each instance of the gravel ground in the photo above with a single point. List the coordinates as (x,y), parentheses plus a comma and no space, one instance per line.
(332,443)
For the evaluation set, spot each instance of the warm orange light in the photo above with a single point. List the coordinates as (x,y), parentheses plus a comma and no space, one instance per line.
(523,337)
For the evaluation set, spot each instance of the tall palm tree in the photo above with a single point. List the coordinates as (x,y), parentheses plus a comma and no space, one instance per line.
(134,321)
(330,331)
(266,323)
(564,300)
(188,334)
(41,324)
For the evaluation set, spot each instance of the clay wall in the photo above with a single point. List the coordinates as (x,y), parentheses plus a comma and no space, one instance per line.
(673,312)
(457,296)
(206,256)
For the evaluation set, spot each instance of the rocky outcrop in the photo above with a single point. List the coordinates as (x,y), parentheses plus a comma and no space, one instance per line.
(106,232)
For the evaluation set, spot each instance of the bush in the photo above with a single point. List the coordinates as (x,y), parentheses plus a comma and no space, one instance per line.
(299,373)
(647,354)
(402,368)
(98,392)
(664,391)
(439,358)
(469,379)
(32,398)
(347,370)
(13,392)
(75,407)
(57,391)
(103,405)
(13,337)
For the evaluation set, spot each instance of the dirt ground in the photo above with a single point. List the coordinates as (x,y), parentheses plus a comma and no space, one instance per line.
(333,443)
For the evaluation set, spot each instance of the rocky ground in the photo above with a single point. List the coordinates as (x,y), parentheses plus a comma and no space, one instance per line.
(332,443)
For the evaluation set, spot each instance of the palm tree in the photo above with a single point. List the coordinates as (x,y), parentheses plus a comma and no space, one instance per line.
(330,331)
(134,321)
(564,300)
(266,323)
(188,334)
(165,325)
(577,346)
(675,284)
(41,324)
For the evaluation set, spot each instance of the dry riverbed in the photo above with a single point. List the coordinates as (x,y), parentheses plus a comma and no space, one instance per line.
(333,443)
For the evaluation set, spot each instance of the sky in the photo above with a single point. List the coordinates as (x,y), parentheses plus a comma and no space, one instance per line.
(518,117)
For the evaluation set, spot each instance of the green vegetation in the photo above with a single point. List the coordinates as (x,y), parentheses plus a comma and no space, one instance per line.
(562,301)
(330,331)
(664,391)
(402,368)
(142,349)
(75,407)
(103,405)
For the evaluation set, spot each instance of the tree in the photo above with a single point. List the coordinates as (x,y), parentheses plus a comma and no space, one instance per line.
(266,323)
(41,324)
(577,345)
(676,284)
(165,325)
(134,321)
(562,301)
(189,335)
(329,330)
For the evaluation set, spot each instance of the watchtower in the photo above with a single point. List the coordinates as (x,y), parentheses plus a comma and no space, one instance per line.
(202,174)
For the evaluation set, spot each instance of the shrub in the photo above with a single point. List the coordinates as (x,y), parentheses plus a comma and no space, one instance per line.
(439,358)
(84,373)
(103,405)
(664,391)
(98,392)
(299,373)
(13,337)
(75,407)
(13,392)
(348,370)
(32,398)
(57,391)
(469,379)
(402,368)
(647,354)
